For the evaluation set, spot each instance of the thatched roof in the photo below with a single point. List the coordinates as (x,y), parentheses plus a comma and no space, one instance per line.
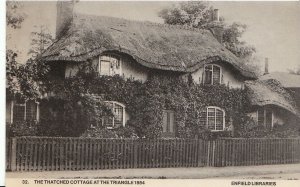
(270,92)
(287,80)
(153,45)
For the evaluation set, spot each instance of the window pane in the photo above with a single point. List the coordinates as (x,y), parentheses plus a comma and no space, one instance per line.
(19,112)
(118,112)
(211,123)
(269,119)
(31,110)
(216,75)
(211,112)
(118,118)
(208,68)
(219,120)
(215,118)
(171,121)
(105,68)
(165,121)
(260,116)
(207,76)
(168,121)
(105,58)
(110,65)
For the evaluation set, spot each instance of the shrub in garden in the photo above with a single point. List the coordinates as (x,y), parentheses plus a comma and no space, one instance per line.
(99,132)
(22,128)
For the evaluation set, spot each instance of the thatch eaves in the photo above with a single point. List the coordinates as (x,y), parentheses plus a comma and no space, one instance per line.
(270,92)
(157,46)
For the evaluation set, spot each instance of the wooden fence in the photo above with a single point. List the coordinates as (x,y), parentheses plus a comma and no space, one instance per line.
(48,154)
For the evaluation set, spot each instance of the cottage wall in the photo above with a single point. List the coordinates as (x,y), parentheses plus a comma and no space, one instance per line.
(130,69)
(229,77)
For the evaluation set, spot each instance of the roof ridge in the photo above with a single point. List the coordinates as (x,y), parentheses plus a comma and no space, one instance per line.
(149,23)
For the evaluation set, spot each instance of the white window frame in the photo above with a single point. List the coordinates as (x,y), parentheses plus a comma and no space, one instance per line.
(13,104)
(265,112)
(123,115)
(212,75)
(215,108)
(118,57)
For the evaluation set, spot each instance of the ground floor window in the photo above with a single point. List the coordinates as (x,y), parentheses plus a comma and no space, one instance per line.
(118,119)
(168,121)
(24,110)
(265,117)
(213,118)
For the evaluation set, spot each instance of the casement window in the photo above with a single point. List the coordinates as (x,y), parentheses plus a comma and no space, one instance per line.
(168,121)
(118,119)
(213,118)
(22,111)
(212,74)
(109,65)
(265,117)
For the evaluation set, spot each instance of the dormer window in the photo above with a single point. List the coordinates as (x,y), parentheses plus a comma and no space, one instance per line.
(212,74)
(109,65)
(213,118)
(118,119)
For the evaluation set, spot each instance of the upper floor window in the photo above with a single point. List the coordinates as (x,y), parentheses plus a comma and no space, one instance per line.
(213,118)
(109,65)
(22,111)
(212,74)
(168,121)
(118,119)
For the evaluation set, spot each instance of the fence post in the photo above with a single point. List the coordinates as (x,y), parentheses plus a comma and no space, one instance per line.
(135,154)
(213,153)
(13,154)
(198,153)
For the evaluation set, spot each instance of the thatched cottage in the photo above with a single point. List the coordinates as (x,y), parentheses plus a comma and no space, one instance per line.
(136,50)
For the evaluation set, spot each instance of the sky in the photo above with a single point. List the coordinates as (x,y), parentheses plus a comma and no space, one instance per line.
(273,27)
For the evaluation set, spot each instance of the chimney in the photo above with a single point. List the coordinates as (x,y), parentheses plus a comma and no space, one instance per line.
(64,16)
(216,26)
(266,66)
(215,15)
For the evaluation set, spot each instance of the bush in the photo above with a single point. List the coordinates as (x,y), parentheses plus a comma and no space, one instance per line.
(126,132)
(213,135)
(102,132)
(22,128)
(99,132)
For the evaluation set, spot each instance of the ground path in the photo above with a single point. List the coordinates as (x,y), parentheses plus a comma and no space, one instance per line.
(285,171)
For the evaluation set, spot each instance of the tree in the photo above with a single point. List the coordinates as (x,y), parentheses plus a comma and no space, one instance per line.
(40,40)
(12,84)
(197,14)
(14,17)
(23,80)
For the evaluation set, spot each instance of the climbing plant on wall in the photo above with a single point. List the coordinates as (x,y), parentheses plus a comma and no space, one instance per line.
(144,102)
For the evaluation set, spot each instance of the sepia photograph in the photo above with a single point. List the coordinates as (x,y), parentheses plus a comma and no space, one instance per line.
(134,92)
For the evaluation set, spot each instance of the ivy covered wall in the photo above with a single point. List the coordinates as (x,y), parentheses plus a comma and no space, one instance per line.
(73,107)
(76,108)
